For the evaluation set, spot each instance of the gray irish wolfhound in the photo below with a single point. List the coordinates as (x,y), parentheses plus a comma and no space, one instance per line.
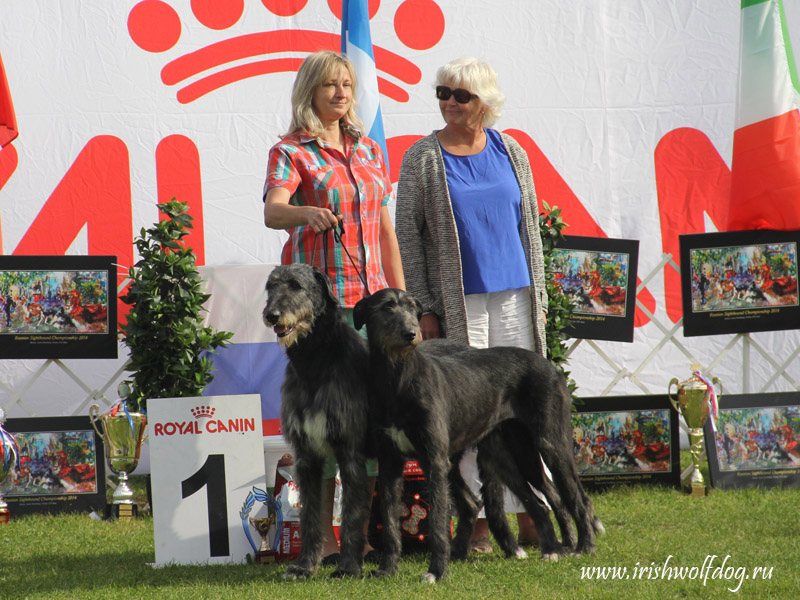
(434,399)
(323,408)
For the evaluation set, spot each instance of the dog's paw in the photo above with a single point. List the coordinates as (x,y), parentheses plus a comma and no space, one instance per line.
(341,574)
(382,573)
(585,549)
(550,556)
(520,553)
(598,526)
(294,573)
(429,578)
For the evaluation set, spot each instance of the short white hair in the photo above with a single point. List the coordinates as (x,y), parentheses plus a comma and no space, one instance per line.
(479,78)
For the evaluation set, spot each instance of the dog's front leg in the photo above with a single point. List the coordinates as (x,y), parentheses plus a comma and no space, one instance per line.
(390,488)
(355,500)
(437,468)
(309,479)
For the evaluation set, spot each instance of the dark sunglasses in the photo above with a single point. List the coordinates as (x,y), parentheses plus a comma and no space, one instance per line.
(462,96)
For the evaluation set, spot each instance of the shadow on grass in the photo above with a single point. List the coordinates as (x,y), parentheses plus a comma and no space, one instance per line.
(49,573)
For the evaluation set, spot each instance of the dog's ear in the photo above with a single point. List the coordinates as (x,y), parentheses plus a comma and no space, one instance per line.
(417,307)
(361,312)
(327,287)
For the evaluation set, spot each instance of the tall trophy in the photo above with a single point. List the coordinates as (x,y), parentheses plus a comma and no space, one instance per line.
(9,460)
(696,398)
(121,431)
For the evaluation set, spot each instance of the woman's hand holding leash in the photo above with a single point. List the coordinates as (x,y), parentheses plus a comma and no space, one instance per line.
(322,219)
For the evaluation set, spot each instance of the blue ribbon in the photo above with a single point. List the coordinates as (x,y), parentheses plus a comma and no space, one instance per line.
(128,414)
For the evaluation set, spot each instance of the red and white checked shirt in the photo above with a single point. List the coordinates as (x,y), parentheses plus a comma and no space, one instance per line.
(317,174)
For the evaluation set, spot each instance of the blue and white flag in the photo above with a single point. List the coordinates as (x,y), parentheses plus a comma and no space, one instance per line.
(357,46)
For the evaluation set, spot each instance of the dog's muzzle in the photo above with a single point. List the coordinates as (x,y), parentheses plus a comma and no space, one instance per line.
(271,319)
(412,338)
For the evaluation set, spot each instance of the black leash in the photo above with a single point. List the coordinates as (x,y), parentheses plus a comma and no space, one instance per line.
(338,232)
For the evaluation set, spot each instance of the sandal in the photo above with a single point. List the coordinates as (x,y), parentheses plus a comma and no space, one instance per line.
(481,545)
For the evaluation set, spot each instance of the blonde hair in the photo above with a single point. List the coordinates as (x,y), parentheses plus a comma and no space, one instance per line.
(479,78)
(315,70)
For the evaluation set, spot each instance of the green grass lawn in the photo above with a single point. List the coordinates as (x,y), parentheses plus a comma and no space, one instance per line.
(756,532)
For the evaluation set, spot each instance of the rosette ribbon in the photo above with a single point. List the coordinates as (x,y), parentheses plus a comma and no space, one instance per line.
(8,443)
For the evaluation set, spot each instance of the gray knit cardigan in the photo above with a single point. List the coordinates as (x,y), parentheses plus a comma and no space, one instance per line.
(426,232)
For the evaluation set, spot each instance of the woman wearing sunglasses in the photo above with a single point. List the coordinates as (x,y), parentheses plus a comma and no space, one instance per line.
(467,224)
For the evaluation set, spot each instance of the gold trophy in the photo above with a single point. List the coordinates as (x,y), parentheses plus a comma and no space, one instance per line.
(9,457)
(264,554)
(696,396)
(122,433)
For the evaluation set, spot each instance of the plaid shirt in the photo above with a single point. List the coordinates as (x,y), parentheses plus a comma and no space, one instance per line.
(316,174)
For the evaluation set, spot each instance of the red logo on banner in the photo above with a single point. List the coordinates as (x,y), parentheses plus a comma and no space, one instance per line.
(155,27)
(693,182)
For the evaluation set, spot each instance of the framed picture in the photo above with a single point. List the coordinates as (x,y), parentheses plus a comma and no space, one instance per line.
(600,275)
(625,440)
(58,307)
(757,441)
(739,282)
(62,466)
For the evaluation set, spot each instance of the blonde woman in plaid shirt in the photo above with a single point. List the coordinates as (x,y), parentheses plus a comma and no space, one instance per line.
(325,171)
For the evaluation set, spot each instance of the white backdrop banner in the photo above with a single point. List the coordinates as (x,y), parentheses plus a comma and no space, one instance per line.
(626,108)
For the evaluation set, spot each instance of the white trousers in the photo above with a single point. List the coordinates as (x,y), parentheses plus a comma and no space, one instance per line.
(497,319)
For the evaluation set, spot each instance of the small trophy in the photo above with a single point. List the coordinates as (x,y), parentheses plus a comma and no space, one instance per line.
(265,554)
(696,397)
(9,459)
(121,433)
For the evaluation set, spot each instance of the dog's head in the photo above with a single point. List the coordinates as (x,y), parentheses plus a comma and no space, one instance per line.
(392,320)
(297,295)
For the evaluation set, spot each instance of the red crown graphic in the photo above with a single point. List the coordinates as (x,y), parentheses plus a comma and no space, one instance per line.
(156,27)
(203,411)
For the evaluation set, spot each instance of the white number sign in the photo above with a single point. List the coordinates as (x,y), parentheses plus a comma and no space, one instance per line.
(206,455)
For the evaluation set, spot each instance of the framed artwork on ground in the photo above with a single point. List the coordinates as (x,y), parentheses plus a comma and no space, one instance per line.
(625,440)
(62,466)
(755,441)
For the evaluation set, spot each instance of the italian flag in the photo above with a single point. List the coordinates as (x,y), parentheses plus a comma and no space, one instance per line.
(765,169)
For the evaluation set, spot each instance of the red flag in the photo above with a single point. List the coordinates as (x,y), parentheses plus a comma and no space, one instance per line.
(8,120)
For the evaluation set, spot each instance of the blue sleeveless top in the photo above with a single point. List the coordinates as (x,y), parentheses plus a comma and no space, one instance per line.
(485,196)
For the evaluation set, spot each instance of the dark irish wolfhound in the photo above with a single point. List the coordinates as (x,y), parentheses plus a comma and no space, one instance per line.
(437,399)
(323,408)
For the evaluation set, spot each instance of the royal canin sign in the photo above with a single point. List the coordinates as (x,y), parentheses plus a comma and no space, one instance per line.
(204,423)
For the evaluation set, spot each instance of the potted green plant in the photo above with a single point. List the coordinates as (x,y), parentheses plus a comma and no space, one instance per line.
(164,332)
(560,306)
(166,339)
